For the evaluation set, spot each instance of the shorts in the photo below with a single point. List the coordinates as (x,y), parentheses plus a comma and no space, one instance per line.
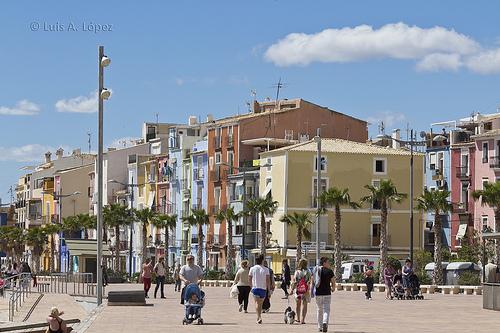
(260,293)
(305,297)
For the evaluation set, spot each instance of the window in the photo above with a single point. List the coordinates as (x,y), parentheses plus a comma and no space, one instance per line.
(324,186)
(432,161)
(375,234)
(230,131)
(485,152)
(485,180)
(238,230)
(230,162)
(269,164)
(217,198)
(323,163)
(218,131)
(379,166)
(217,158)
(484,221)
(464,196)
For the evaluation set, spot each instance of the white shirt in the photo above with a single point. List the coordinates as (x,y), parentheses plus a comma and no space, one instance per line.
(160,269)
(259,276)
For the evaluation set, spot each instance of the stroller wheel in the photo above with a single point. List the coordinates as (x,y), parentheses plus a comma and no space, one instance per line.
(184,322)
(200,321)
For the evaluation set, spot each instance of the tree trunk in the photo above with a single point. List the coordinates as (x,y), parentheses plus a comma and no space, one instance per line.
(437,276)
(298,255)
(337,249)
(230,252)
(383,238)
(497,241)
(117,249)
(263,234)
(144,242)
(104,234)
(199,252)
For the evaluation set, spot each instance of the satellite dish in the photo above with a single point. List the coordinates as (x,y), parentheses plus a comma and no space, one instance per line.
(423,134)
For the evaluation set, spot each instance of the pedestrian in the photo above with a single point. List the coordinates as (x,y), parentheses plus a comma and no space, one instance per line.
(324,282)
(368,274)
(160,271)
(241,281)
(266,305)
(389,273)
(190,273)
(301,289)
(104,275)
(407,272)
(14,273)
(146,275)
(286,277)
(56,323)
(177,279)
(259,283)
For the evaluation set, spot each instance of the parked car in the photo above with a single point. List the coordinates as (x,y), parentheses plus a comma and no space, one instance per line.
(429,270)
(455,269)
(351,268)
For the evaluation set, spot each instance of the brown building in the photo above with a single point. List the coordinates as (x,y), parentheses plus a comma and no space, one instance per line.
(234,142)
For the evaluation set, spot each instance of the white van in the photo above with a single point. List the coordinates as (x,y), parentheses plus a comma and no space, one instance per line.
(351,268)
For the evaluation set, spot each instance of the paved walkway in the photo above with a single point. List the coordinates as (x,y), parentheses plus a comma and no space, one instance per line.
(351,314)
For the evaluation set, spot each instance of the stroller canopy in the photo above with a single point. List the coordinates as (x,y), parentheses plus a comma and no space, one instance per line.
(191,289)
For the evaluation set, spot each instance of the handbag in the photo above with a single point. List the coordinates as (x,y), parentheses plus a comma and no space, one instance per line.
(233,292)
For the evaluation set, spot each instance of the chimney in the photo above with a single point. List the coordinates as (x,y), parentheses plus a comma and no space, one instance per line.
(59,153)
(192,120)
(396,134)
(77,152)
(47,157)
(210,118)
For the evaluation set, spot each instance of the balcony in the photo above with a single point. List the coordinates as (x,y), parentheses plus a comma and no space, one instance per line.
(198,174)
(461,209)
(463,173)
(170,209)
(184,184)
(218,174)
(437,174)
(495,163)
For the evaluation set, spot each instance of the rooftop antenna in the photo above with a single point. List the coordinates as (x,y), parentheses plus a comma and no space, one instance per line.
(254,94)
(381,128)
(280,85)
(89,141)
(249,106)
(11,191)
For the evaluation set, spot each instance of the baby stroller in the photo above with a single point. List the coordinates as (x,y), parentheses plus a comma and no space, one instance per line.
(398,292)
(194,300)
(414,286)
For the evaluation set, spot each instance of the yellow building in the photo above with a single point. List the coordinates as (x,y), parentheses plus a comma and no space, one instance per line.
(291,180)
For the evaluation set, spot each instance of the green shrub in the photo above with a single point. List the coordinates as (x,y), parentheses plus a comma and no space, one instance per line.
(395,263)
(357,278)
(468,278)
(214,275)
(424,278)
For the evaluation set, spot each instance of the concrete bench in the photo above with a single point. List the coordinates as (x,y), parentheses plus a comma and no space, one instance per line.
(339,286)
(347,286)
(478,290)
(447,290)
(468,290)
(128,297)
(37,327)
(362,287)
(379,287)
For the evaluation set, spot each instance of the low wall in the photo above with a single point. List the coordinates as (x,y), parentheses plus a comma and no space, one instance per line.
(491,296)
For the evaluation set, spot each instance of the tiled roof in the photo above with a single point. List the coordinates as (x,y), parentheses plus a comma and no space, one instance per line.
(347,147)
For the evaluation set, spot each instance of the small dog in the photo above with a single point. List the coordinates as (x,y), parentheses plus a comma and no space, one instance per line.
(289,316)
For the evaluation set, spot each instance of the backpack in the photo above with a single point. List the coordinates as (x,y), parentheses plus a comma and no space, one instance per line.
(302,286)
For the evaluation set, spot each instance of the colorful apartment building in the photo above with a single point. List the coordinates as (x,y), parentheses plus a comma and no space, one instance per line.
(291,180)
(233,143)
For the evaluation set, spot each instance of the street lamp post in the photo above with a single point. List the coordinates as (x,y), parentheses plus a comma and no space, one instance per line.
(317,139)
(103,93)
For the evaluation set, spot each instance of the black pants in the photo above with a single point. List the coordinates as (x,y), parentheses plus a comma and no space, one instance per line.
(284,286)
(160,281)
(182,294)
(267,302)
(243,293)
(369,287)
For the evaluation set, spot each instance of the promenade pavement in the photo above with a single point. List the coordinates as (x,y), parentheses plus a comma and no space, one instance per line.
(350,314)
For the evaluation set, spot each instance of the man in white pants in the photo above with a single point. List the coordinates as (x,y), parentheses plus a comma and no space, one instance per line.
(324,283)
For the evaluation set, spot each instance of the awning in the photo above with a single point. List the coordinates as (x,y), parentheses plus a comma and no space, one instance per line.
(267,190)
(462,229)
(151,199)
(85,247)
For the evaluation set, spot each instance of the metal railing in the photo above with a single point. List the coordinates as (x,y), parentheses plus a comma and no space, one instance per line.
(20,287)
(81,284)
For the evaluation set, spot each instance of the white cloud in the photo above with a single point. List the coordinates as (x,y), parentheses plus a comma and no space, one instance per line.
(22,108)
(398,41)
(26,153)
(440,61)
(179,81)
(389,118)
(80,104)
(486,62)
(434,49)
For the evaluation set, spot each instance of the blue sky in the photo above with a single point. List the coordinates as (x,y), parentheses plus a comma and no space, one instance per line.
(181,58)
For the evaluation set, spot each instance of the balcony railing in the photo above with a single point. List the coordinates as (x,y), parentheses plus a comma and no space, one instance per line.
(495,162)
(197,174)
(462,172)
(218,174)
(184,184)
(230,141)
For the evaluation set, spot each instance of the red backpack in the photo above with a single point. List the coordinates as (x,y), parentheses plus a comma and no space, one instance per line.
(302,286)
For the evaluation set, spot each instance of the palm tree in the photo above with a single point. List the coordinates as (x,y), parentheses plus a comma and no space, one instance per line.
(13,239)
(37,239)
(115,216)
(167,222)
(229,216)
(436,201)
(385,194)
(490,196)
(336,198)
(52,230)
(145,216)
(302,222)
(262,207)
(198,218)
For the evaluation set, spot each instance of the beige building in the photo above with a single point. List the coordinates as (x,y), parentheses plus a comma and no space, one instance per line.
(291,180)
